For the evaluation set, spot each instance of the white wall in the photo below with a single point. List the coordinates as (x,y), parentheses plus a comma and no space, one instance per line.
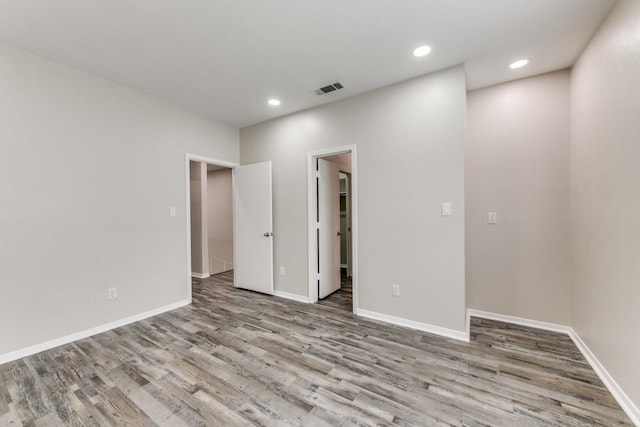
(220,217)
(199,219)
(605,203)
(88,170)
(517,164)
(410,142)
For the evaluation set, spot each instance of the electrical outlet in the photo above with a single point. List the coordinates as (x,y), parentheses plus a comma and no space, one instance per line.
(282,271)
(395,290)
(112,293)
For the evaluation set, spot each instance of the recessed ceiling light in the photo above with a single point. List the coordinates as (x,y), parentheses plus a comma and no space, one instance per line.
(519,64)
(421,51)
(274,102)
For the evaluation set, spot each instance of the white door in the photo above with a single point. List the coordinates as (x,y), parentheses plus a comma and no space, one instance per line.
(328,212)
(252,228)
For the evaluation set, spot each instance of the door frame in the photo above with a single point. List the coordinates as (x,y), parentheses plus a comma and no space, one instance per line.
(210,161)
(311,229)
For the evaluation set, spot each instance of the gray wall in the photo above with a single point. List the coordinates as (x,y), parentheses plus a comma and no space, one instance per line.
(410,142)
(605,203)
(88,171)
(199,220)
(517,164)
(220,217)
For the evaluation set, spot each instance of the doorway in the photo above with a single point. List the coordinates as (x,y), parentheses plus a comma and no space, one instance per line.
(242,245)
(332,224)
(210,218)
(220,218)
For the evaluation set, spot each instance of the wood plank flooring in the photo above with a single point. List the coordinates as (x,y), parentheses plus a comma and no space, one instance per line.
(237,358)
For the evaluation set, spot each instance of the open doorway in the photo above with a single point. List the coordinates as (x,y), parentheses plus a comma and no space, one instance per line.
(229,223)
(332,227)
(220,218)
(210,219)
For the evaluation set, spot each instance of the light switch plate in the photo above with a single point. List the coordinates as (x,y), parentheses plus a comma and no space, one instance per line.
(446,209)
(172,211)
(492,217)
(395,290)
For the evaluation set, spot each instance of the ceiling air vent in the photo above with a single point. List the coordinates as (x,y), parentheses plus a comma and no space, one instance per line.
(329,88)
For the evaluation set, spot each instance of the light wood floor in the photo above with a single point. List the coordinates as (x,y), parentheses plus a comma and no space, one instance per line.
(239,358)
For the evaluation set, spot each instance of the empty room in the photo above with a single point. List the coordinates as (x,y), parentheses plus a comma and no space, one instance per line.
(320,213)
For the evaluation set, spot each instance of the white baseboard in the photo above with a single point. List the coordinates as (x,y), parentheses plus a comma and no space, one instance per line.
(518,321)
(19,354)
(424,327)
(621,397)
(200,276)
(294,297)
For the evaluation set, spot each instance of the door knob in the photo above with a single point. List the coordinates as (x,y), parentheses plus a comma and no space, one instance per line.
(267,234)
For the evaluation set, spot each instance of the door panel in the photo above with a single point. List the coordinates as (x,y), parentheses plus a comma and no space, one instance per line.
(252,224)
(329,222)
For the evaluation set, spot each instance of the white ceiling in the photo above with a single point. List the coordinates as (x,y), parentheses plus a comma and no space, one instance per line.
(342,160)
(213,168)
(225,58)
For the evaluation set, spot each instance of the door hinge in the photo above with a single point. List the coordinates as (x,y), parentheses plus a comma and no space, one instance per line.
(317,226)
